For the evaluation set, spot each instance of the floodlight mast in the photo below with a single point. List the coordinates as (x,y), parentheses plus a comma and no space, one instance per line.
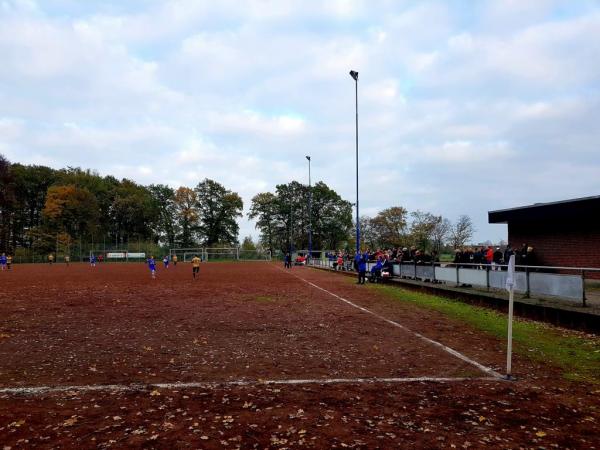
(354,75)
(309,213)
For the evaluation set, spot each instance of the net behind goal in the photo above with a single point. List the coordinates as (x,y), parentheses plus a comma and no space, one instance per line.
(186,254)
(221,254)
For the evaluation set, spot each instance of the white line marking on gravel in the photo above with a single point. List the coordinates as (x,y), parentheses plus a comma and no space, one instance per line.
(36,390)
(453,352)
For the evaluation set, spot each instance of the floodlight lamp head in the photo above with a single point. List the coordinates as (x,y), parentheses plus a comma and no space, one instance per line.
(308,157)
(354,75)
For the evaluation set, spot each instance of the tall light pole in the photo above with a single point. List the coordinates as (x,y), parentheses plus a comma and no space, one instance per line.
(354,75)
(309,213)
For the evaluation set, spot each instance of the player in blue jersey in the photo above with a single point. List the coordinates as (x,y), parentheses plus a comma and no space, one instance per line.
(3,261)
(92,260)
(152,266)
(166,261)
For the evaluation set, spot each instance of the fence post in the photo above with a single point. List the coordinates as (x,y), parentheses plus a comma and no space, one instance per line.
(527,292)
(583,299)
(457,277)
(487,277)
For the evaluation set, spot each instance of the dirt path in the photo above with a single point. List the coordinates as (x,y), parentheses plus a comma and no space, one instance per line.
(249,323)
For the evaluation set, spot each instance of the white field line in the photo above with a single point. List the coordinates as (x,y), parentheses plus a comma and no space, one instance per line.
(447,349)
(36,390)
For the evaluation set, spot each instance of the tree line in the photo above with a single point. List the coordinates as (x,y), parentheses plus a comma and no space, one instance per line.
(283,217)
(41,206)
(283,220)
(395,227)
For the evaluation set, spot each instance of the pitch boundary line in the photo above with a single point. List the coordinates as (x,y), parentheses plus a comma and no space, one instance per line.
(447,349)
(143,387)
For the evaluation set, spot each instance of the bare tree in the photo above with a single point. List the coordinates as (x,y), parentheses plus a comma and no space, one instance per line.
(440,233)
(462,231)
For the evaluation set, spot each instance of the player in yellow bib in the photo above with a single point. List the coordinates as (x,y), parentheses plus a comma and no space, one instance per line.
(195,266)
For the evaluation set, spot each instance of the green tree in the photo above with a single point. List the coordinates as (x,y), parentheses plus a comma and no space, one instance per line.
(133,212)
(283,220)
(264,211)
(218,210)
(389,226)
(31,186)
(331,217)
(422,228)
(292,218)
(71,210)
(368,237)
(166,224)
(104,190)
(187,215)
(248,244)
(7,203)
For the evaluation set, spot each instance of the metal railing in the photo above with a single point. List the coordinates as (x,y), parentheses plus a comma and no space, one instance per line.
(542,281)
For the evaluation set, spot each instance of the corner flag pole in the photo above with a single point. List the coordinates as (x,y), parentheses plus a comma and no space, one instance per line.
(510,286)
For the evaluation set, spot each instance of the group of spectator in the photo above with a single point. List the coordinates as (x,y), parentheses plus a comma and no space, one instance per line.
(484,257)
(343,260)
(481,257)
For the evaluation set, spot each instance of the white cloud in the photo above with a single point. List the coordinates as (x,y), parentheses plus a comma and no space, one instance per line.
(176,91)
(252,122)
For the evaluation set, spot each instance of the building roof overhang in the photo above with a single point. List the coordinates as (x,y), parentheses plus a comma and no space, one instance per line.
(578,208)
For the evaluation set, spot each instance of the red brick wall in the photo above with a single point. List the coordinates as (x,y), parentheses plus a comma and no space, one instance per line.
(559,244)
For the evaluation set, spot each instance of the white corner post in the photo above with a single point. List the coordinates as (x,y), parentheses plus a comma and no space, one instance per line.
(510,286)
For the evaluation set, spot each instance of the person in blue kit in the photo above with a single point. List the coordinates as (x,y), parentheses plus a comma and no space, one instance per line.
(3,261)
(152,266)
(376,270)
(93,260)
(361,266)
(166,261)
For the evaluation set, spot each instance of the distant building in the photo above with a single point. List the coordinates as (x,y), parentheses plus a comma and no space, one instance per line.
(565,233)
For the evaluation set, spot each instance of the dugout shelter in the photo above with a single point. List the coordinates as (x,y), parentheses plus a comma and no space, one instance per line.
(563,233)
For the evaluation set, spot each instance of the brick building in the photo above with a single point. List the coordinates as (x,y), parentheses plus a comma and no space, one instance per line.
(565,233)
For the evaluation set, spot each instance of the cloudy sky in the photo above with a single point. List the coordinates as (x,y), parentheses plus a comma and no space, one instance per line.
(464,106)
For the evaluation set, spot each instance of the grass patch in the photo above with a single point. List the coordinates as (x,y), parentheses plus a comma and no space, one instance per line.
(263,299)
(576,354)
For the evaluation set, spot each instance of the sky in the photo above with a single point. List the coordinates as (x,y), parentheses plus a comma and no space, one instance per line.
(464,106)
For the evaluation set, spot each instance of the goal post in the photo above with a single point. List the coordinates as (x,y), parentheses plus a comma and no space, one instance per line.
(186,254)
(220,254)
(254,255)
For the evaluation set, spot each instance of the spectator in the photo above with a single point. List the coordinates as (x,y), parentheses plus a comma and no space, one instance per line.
(478,257)
(376,270)
(523,254)
(457,256)
(508,252)
(361,266)
(497,259)
(530,256)
(405,254)
(489,255)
